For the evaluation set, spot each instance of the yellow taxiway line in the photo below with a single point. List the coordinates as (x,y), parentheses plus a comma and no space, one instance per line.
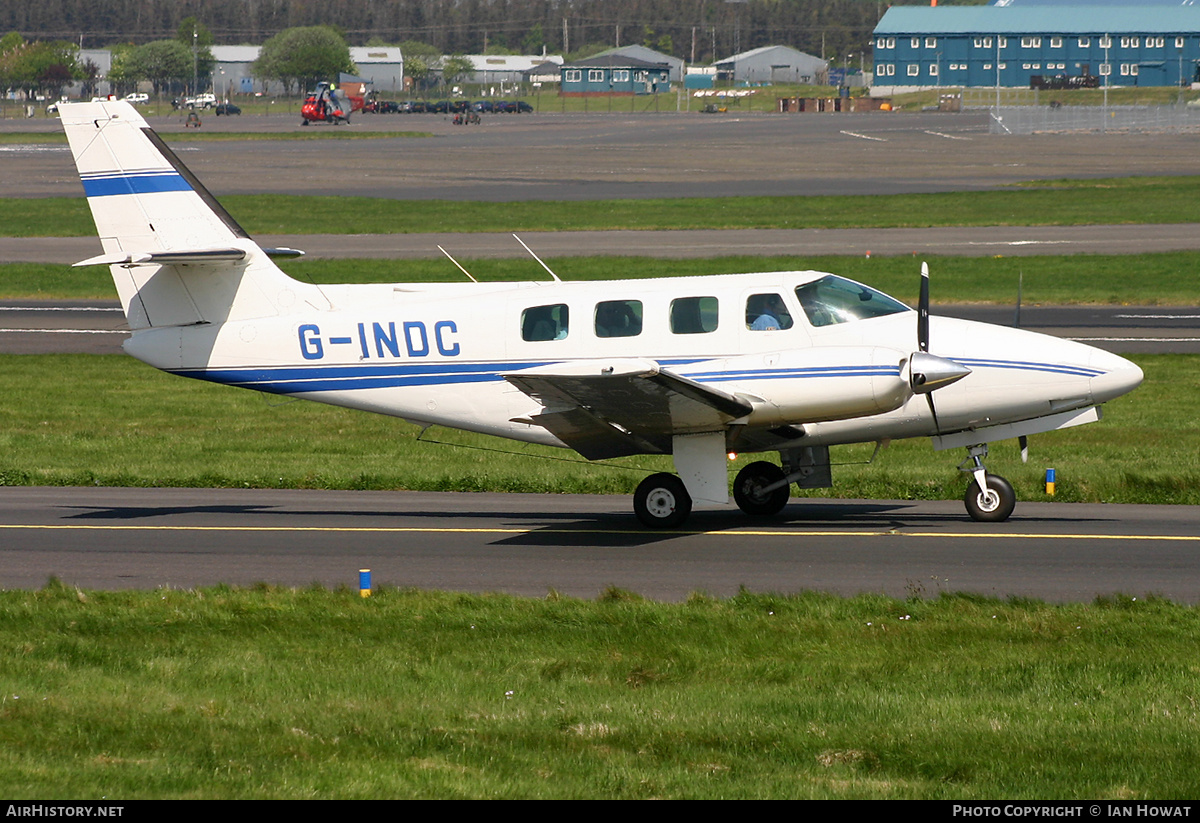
(644,532)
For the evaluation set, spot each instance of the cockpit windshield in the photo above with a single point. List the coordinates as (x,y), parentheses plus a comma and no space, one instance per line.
(834,299)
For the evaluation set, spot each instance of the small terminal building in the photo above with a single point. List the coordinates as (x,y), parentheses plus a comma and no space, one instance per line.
(614,74)
(920,47)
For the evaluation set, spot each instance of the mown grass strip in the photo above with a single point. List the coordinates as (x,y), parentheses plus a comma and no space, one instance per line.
(1158,199)
(285,693)
(80,420)
(1148,279)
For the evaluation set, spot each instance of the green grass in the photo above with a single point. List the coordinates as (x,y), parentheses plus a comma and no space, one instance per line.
(108,420)
(1148,279)
(1038,203)
(305,694)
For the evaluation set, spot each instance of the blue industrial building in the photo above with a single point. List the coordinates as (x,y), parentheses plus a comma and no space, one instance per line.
(614,74)
(928,47)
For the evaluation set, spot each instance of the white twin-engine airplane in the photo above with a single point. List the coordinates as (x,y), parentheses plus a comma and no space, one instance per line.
(695,367)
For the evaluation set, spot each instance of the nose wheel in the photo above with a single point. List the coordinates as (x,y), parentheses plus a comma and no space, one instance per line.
(990,498)
(993,504)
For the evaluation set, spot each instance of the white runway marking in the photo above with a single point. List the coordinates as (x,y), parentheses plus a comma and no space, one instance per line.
(863,136)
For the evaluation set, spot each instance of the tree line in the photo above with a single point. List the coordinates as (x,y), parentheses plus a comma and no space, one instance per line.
(297,57)
(695,30)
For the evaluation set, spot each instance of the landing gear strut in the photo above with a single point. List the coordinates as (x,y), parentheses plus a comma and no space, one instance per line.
(990,498)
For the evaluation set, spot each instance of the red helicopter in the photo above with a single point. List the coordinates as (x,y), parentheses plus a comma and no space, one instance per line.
(328,105)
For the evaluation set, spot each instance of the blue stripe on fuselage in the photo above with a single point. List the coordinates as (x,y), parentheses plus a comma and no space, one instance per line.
(350,377)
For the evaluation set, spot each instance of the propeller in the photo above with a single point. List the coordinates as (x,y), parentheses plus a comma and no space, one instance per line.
(927,372)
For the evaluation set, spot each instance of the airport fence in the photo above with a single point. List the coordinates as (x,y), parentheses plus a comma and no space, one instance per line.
(1061,119)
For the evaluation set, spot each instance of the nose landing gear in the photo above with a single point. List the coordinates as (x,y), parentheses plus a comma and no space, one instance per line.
(990,498)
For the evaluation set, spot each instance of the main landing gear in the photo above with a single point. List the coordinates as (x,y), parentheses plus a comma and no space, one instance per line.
(990,498)
(662,501)
(761,489)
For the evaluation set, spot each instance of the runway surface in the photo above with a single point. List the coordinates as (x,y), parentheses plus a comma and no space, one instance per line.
(579,545)
(981,241)
(621,155)
(98,327)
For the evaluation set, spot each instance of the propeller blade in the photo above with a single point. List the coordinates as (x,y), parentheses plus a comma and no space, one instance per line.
(1017,316)
(1023,442)
(923,310)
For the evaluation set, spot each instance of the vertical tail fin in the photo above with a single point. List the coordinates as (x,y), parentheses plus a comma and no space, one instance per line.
(176,256)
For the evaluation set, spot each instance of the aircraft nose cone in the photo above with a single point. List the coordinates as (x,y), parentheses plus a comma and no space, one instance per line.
(1117,376)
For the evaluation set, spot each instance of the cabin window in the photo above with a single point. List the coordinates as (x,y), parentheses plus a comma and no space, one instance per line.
(694,315)
(619,318)
(834,299)
(767,312)
(544,323)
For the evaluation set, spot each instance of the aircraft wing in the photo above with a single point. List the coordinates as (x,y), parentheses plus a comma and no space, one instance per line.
(616,408)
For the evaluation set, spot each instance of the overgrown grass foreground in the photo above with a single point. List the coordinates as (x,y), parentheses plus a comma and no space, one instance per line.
(283,693)
(81,420)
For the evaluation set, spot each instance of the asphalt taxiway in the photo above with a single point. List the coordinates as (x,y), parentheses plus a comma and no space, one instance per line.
(579,545)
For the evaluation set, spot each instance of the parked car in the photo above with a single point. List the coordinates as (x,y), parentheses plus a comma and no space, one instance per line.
(227,108)
(200,101)
(137,97)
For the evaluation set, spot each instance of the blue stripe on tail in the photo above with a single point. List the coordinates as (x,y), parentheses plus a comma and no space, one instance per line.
(107,184)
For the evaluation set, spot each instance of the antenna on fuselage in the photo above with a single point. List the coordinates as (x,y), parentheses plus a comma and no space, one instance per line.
(535,257)
(455,262)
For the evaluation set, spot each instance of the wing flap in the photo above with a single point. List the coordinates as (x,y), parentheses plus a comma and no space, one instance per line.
(616,408)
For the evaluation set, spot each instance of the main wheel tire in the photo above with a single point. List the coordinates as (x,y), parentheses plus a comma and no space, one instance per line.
(993,507)
(751,480)
(661,501)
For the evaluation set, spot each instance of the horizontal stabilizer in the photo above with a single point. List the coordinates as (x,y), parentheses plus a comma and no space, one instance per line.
(165,258)
(283,251)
